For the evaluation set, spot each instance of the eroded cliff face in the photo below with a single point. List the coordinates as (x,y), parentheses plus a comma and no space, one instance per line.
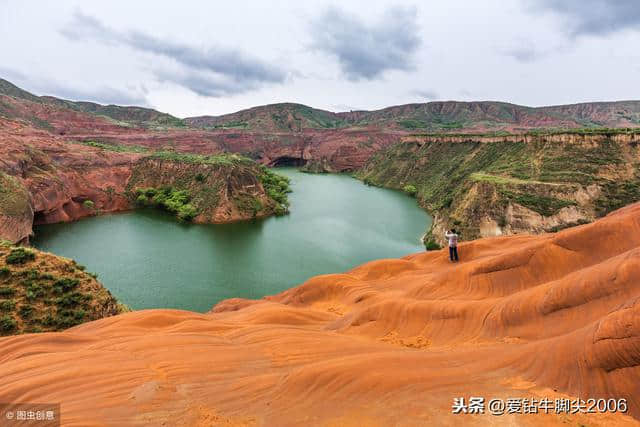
(220,191)
(16,214)
(56,179)
(46,179)
(492,186)
(343,150)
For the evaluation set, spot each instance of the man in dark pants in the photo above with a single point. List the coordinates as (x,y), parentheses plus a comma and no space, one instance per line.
(452,237)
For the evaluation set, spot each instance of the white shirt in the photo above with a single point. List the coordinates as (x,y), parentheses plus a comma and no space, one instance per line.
(453,239)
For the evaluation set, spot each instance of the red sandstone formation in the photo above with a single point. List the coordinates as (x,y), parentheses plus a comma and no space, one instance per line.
(52,178)
(59,177)
(391,342)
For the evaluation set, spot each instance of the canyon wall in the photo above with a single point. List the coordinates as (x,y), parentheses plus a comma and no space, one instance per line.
(488,186)
(46,179)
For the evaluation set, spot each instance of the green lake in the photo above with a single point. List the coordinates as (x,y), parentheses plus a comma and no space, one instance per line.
(149,260)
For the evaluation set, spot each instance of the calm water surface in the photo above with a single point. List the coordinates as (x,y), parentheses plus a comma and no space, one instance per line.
(148,260)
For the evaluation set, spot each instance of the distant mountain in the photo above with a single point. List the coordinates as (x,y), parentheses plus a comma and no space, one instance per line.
(441,116)
(489,115)
(136,116)
(285,117)
(447,116)
(9,89)
(131,116)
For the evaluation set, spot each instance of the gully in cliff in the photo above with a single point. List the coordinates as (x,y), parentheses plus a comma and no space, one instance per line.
(452,237)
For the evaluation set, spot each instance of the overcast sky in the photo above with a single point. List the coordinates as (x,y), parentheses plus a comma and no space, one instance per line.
(214,57)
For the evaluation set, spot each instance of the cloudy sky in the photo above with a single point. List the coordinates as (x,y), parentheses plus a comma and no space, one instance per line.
(213,57)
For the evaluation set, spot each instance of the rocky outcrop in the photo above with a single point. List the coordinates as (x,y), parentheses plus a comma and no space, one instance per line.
(492,186)
(555,316)
(41,292)
(45,179)
(16,214)
(221,189)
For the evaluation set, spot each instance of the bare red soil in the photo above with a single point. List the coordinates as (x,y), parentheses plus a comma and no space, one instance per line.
(391,342)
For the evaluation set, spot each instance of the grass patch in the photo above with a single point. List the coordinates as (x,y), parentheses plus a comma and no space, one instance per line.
(7,305)
(25,311)
(7,324)
(618,194)
(7,291)
(109,146)
(65,285)
(20,256)
(68,318)
(224,159)
(543,205)
(14,198)
(72,299)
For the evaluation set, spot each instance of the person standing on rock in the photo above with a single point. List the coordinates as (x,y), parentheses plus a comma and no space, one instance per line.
(452,237)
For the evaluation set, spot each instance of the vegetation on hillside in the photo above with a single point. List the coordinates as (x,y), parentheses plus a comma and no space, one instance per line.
(410,190)
(169,199)
(277,188)
(14,197)
(41,292)
(223,159)
(121,115)
(466,181)
(190,185)
(110,146)
(595,130)
(274,117)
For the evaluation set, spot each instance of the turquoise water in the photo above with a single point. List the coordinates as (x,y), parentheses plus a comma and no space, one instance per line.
(148,260)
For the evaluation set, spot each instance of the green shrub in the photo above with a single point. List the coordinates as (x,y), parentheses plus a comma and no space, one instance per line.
(432,246)
(30,274)
(88,204)
(4,272)
(48,319)
(65,285)
(25,311)
(281,210)
(7,305)
(7,324)
(410,190)
(256,206)
(277,188)
(34,291)
(69,318)
(200,177)
(174,201)
(73,299)
(187,212)
(6,291)
(20,256)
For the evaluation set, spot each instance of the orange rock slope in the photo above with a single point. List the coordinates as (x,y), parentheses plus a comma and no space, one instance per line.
(391,342)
